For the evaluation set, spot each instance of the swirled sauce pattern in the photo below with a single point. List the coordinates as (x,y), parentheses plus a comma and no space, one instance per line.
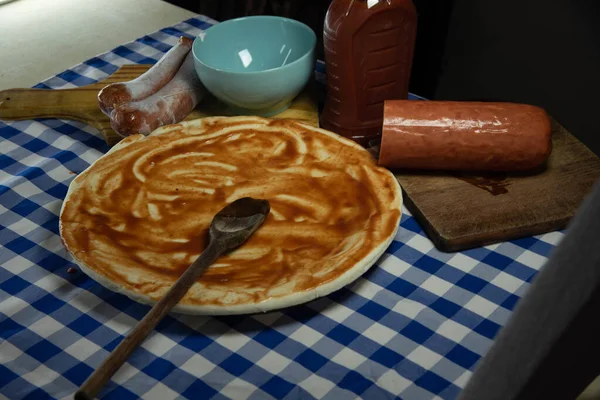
(139,216)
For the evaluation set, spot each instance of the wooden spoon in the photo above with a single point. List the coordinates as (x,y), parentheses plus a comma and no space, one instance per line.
(230,228)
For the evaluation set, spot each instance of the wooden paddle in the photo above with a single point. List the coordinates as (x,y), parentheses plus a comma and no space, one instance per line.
(230,228)
(81,104)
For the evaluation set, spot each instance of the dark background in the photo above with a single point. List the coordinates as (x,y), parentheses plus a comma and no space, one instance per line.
(541,52)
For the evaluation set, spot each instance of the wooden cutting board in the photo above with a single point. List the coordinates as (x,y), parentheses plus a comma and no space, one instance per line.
(81,104)
(460,210)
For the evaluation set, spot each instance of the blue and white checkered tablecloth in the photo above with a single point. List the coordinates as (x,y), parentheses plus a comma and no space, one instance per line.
(412,327)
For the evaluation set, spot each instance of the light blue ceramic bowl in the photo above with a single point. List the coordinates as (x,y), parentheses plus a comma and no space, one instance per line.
(257,65)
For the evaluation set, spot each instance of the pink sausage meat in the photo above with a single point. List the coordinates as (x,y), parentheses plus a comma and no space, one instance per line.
(480,136)
(171,104)
(148,83)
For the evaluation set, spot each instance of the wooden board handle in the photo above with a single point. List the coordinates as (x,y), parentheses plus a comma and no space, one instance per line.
(45,103)
(77,103)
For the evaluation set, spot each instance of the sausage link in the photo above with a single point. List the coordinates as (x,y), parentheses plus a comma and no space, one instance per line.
(447,135)
(149,82)
(171,104)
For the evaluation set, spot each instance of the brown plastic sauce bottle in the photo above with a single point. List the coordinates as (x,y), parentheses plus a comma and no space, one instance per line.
(368,53)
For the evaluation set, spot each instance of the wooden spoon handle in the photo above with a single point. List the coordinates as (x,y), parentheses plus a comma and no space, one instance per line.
(121,353)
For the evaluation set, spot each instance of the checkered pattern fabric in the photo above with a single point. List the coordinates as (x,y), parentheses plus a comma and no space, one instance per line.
(412,327)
